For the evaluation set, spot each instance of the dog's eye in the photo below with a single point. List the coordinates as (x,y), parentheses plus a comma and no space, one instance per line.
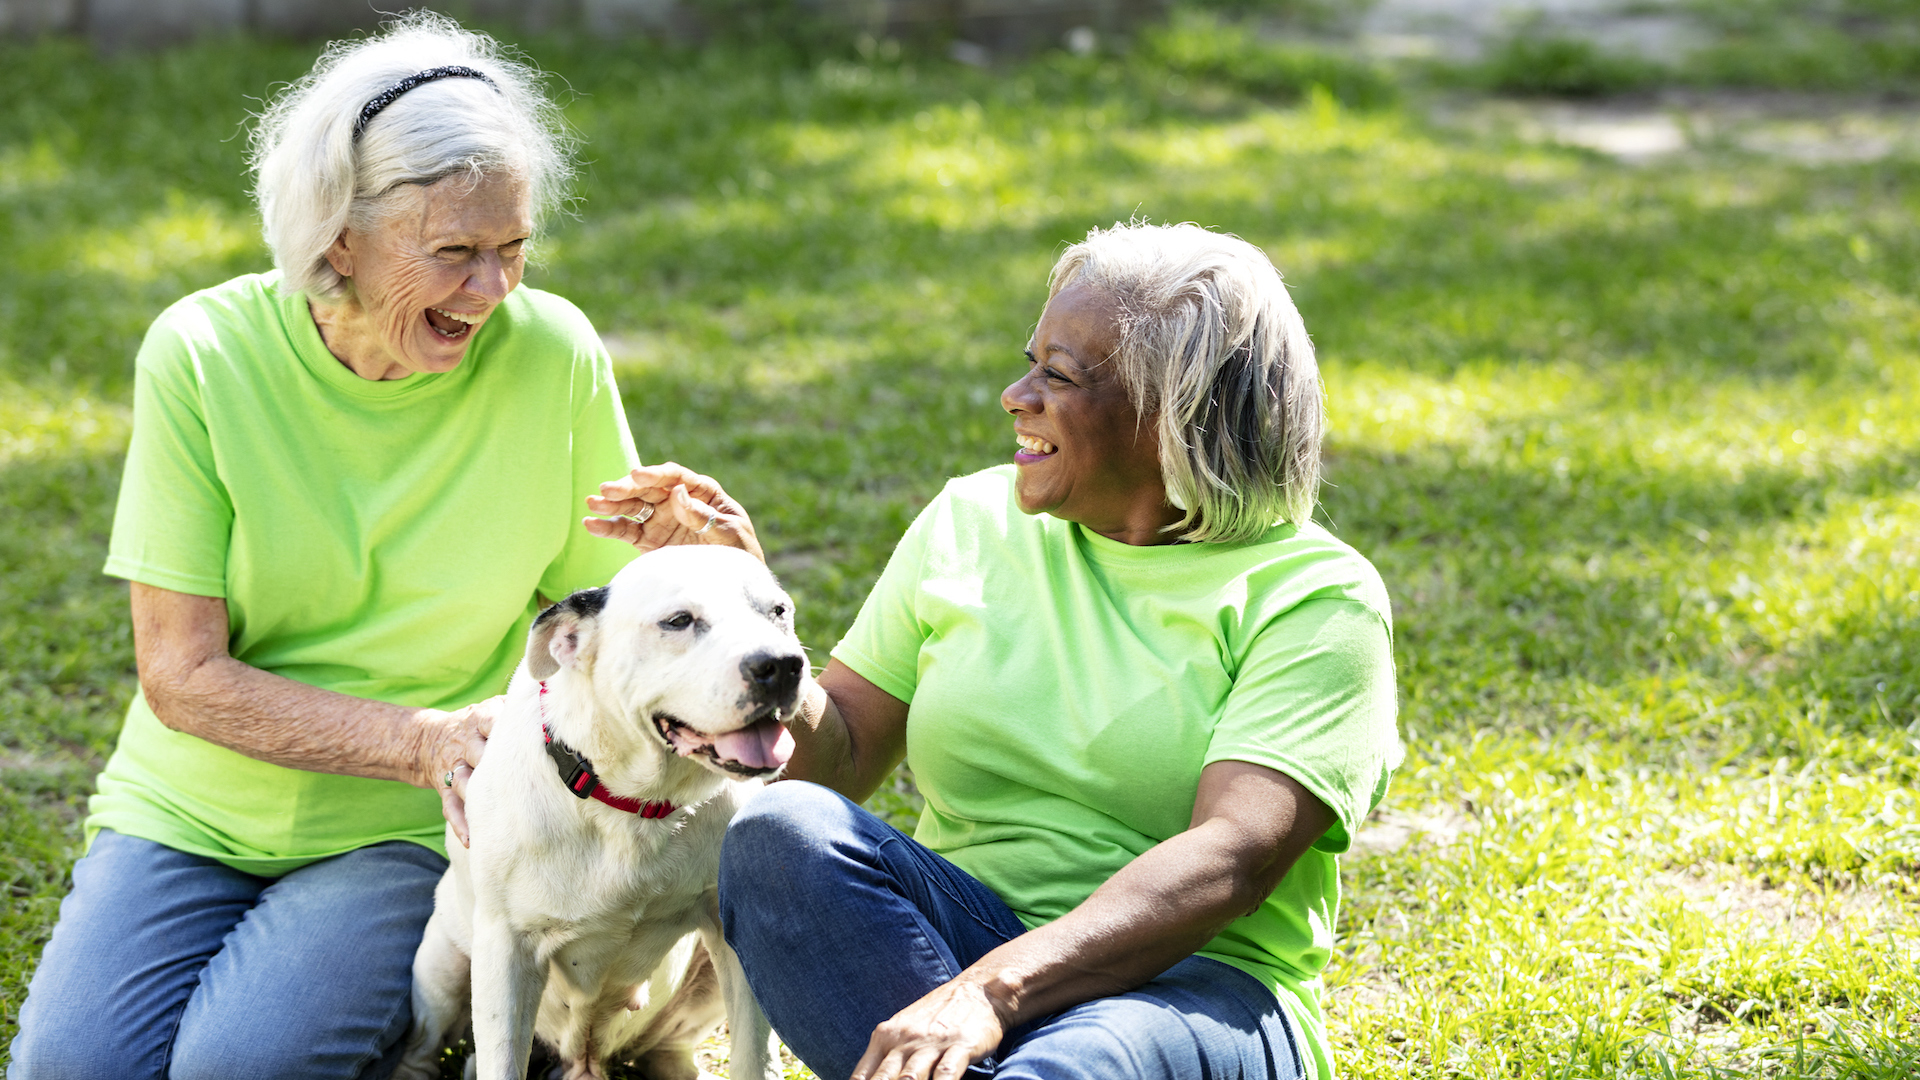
(779,611)
(678,622)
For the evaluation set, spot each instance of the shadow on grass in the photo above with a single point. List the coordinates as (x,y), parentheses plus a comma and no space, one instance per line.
(1507,575)
(67,650)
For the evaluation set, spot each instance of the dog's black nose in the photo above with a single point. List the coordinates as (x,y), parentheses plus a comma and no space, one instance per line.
(775,675)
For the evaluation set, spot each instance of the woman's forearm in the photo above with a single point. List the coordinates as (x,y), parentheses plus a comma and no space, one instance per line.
(193,685)
(849,734)
(278,720)
(1158,910)
(822,753)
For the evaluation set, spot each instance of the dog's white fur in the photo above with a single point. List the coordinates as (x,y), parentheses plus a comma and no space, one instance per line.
(577,920)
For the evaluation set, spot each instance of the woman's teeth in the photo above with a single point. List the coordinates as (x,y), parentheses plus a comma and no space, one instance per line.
(465,322)
(1033,445)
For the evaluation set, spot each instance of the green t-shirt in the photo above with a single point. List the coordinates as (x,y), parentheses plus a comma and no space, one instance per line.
(380,539)
(1067,690)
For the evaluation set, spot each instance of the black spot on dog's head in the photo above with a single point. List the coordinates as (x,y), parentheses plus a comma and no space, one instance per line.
(584,604)
(566,618)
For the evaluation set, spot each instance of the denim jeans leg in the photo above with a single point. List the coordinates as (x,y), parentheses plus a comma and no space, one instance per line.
(127,953)
(315,983)
(1200,1018)
(841,920)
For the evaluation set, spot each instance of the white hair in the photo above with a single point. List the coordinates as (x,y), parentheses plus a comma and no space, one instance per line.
(1213,352)
(314,179)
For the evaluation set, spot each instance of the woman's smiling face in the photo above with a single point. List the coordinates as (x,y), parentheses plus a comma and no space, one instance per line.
(428,278)
(1086,455)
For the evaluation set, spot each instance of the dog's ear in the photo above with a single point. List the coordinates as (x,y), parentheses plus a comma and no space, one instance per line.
(558,637)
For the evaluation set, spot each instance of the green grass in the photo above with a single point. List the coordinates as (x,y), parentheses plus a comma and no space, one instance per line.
(1637,450)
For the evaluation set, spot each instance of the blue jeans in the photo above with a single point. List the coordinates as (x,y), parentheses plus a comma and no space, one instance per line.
(841,921)
(165,964)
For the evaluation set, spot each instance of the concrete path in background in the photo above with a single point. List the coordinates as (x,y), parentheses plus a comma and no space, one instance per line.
(1810,129)
(1464,29)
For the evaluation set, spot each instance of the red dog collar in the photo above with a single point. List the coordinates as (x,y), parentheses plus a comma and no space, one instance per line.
(576,772)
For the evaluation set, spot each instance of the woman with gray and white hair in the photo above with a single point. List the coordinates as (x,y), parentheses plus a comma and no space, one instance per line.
(350,483)
(1147,699)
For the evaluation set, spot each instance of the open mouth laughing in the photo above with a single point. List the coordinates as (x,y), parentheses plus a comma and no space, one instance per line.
(452,325)
(762,746)
(1033,448)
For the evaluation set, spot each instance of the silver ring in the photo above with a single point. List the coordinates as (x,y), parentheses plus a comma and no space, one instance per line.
(639,518)
(713,518)
(447,780)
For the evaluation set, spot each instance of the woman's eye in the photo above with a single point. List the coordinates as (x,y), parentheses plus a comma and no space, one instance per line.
(678,622)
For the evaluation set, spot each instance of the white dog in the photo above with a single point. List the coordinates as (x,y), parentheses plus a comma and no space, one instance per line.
(596,819)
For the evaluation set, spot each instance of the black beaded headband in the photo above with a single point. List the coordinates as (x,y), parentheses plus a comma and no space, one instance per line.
(386,97)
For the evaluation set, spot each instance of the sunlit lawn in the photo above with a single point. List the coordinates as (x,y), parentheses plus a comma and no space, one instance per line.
(1637,450)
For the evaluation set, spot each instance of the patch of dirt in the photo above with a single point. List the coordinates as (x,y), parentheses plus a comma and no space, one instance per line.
(1724,894)
(634,350)
(1390,830)
(1371,991)
(711,1057)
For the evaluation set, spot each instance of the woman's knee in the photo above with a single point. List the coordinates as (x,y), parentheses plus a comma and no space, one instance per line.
(786,823)
(791,839)
(317,982)
(79,1045)
(296,1048)
(792,808)
(73,1026)
(133,938)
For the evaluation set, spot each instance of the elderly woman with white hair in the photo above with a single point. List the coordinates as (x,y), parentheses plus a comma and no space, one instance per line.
(350,483)
(1147,700)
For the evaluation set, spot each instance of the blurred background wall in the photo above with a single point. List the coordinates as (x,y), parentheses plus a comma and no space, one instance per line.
(996,25)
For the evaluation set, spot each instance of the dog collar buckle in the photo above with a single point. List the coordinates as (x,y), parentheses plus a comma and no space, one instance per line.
(575,772)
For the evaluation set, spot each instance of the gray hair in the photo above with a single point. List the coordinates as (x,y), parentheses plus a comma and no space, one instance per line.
(1214,354)
(314,179)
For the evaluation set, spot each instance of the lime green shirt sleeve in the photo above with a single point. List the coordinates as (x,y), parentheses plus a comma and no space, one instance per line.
(1314,699)
(602,450)
(883,644)
(174,517)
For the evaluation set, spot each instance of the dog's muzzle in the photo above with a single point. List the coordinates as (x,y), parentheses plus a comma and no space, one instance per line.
(773,677)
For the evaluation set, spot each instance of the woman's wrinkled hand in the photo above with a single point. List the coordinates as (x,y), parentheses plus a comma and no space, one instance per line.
(658,505)
(454,744)
(935,1038)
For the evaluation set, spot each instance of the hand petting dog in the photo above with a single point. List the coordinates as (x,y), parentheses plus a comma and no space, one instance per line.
(652,507)
(658,505)
(448,764)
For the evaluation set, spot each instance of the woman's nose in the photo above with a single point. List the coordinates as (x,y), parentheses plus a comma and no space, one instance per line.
(489,278)
(1018,396)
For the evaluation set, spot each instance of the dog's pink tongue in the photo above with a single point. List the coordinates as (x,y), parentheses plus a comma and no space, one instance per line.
(765,745)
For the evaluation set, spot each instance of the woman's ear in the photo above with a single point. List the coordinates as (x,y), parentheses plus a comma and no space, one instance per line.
(340,255)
